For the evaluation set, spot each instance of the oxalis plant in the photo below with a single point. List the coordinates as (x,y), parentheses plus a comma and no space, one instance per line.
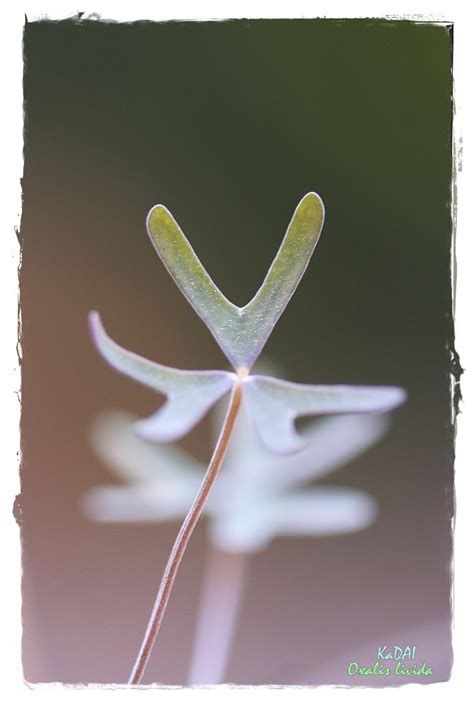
(271,404)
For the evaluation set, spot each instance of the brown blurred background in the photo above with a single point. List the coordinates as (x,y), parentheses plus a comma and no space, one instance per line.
(228,124)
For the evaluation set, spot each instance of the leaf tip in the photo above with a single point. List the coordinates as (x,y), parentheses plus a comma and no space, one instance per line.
(157,215)
(151,430)
(96,328)
(312,203)
(396,396)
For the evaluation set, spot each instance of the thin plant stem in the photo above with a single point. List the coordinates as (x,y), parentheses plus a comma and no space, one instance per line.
(224,579)
(183,537)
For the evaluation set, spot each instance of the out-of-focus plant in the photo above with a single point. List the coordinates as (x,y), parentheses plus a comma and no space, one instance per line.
(241,332)
(258,496)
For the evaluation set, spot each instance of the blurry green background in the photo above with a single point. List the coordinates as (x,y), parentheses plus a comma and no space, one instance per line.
(229,124)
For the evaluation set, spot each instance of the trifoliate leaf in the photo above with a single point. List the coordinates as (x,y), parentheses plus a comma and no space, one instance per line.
(275,404)
(190,393)
(241,332)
